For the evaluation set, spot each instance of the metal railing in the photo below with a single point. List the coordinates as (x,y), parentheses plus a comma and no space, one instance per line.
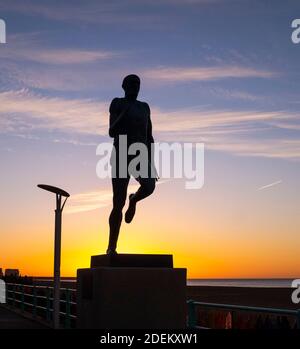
(38,301)
(233,309)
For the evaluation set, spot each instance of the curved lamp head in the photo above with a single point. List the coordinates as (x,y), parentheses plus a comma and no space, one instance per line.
(54,190)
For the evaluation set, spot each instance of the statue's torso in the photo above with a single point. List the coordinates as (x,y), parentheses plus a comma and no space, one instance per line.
(135,122)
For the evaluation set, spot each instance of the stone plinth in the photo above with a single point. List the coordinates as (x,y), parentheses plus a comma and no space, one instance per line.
(131,296)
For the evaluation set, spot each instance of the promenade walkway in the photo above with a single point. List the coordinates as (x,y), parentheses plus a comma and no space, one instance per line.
(12,320)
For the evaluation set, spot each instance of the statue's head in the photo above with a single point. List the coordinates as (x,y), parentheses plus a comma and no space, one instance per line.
(131,86)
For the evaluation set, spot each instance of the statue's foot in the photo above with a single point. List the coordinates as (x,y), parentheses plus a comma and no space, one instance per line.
(111,251)
(129,214)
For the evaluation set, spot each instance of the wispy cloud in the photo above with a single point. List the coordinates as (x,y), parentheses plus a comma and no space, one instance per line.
(91,117)
(60,75)
(28,62)
(60,70)
(32,47)
(75,142)
(240,132)
(195,118)
(275,148)
(92,200)
(270,185)
(184,74)
(242,143)
(25,111)
(235,94)
(56,56)
(287,124)
(55,78)
(88,201)
(232,131)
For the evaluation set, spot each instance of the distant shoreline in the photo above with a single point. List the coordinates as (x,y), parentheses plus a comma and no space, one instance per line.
(243,283)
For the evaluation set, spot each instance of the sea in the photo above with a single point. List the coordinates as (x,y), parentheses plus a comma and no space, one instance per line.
(277,283)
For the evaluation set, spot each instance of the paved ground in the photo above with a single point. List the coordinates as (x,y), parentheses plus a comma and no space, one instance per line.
(11,320)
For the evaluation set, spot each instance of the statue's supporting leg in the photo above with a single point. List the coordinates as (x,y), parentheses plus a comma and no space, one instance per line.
(120,186)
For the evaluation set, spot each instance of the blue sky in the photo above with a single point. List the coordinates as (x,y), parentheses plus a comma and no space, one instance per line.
(222,72)
(214,55)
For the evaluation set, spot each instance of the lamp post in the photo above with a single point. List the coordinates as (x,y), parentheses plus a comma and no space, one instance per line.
(57,247)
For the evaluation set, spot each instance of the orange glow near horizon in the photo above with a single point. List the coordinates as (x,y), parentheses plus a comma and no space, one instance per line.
(205,259)
(254,235)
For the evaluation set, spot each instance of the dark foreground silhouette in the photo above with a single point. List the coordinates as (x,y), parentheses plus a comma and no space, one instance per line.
(129,117)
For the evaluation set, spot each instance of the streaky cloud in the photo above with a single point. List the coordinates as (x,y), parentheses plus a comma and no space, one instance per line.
(186,74)
(270,185)
(231,131)
(92,200)
(56,56)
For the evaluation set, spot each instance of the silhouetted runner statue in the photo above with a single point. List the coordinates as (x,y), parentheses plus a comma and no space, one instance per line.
(129,117)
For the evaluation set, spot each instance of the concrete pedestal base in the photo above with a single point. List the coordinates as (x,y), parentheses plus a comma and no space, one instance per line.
(131,298)
(128,260)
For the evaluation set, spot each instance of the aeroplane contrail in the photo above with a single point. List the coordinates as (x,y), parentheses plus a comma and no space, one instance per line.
(270,185)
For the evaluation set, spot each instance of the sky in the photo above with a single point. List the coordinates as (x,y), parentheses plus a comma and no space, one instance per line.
(221,72)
